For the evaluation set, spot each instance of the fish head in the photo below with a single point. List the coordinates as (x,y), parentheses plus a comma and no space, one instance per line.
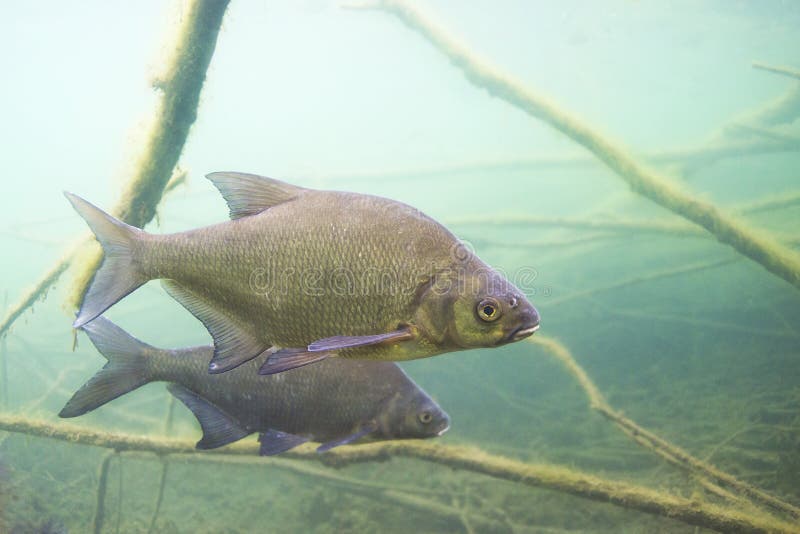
(478,307)
(412,415)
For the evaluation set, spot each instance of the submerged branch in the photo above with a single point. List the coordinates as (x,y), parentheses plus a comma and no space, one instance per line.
(758,246)
(180,87)
(625,226)
(162,484)
(151,178)
(776,202)
(36,293)
(700,155)
(617,225)
(663,448)
(4,363)
(649,277)
(766,133)
(100,502)
(784,71)
(551,477)
(784,109)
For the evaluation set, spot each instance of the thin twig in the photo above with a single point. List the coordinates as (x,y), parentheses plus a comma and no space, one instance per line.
(766,133)
(169,416)
(4,358)
(119,495)
(102,482)
(698,322)
(771,203)
(649,277)
(477,168)
(785,71)
(162,483)
(36,293)
(616,225)
(784,109)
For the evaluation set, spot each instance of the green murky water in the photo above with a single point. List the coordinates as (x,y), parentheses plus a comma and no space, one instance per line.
(679,332)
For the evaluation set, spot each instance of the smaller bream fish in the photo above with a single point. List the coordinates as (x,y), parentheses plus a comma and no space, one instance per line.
(337,402)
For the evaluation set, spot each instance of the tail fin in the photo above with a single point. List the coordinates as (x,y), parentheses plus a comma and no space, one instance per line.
(125,371)
(117,275)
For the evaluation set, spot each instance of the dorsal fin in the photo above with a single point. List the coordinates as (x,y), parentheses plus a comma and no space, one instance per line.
(248,194)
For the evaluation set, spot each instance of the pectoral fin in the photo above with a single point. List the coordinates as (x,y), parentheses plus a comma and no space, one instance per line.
(233,346)
(349,342)
(286,359)
(291,358)
(275,442)
(218,427)
(369,428)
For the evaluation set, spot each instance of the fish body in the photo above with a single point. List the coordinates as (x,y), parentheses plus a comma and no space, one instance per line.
(317,273)
(336,401)
(291,280)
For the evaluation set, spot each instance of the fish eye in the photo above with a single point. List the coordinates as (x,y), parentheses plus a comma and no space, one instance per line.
(425,417)
(489,309)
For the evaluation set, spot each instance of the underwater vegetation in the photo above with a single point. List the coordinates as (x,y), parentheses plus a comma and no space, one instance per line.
(661,465)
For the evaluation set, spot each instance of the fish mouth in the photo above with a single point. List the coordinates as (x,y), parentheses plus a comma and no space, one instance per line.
(442,431)
(522,332)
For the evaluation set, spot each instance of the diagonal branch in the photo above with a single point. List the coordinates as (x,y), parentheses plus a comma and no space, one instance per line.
(180,88)
(758,246)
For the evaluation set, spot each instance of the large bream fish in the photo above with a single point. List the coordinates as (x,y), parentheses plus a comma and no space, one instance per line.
(304,275)
(336,402)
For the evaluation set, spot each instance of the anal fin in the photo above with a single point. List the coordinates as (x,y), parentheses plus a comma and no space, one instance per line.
(287,359)
(275,442)
(233,345)
(218,427)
